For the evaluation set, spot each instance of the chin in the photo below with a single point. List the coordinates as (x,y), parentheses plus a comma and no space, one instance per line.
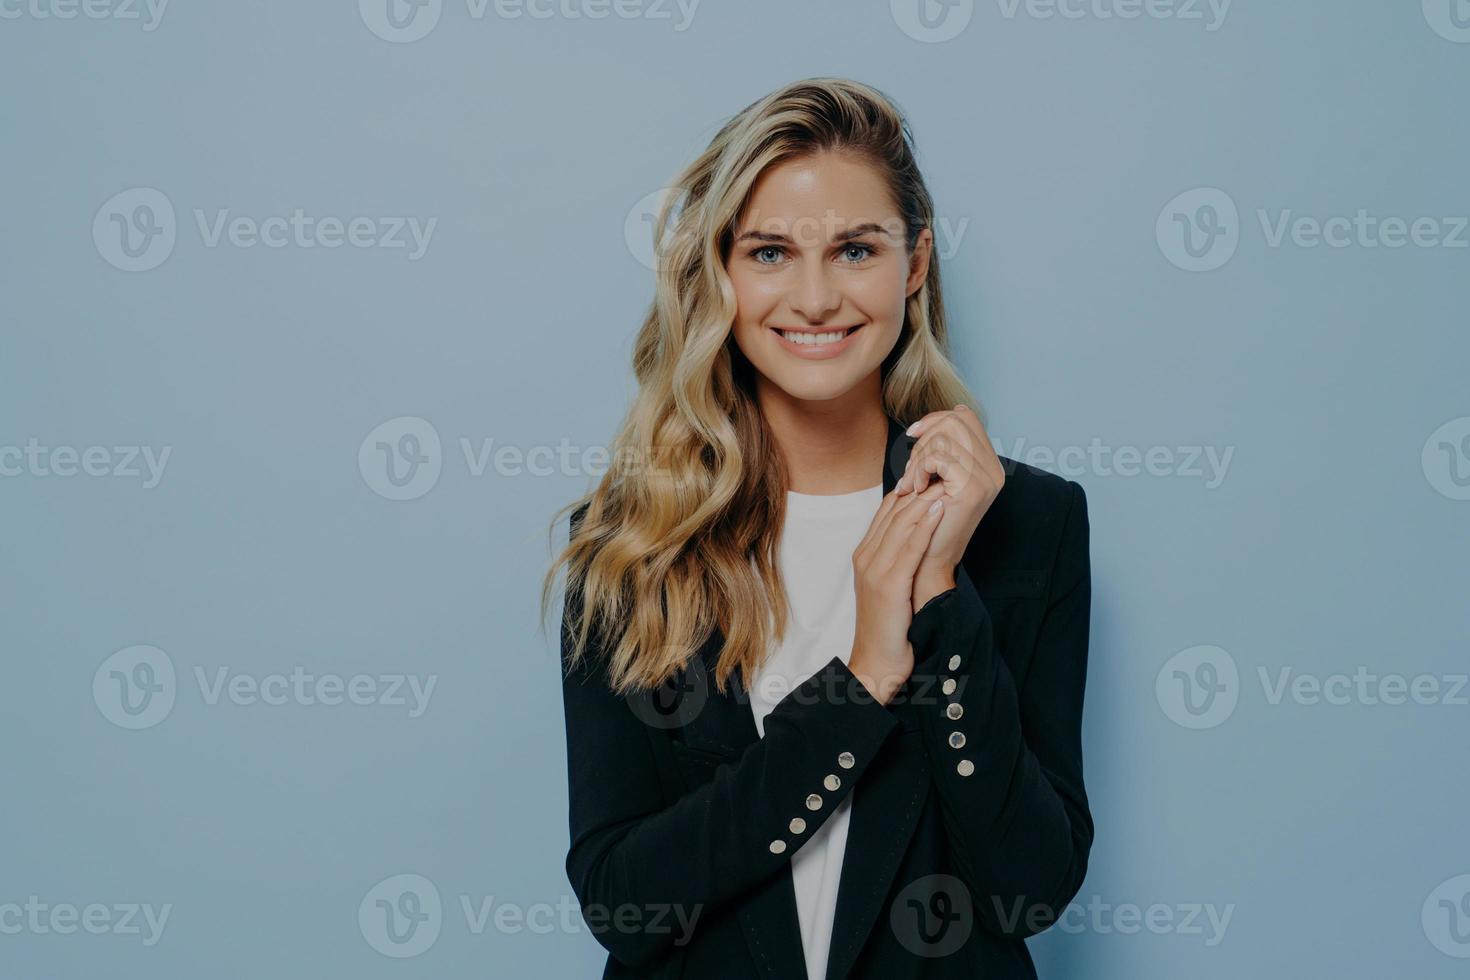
(814,389)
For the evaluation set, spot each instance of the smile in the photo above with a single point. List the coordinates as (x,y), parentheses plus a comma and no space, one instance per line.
(826,343)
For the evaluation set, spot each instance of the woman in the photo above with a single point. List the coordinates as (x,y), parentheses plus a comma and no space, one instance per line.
(822,720)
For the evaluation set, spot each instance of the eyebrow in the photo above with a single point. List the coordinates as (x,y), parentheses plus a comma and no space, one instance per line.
(856,231)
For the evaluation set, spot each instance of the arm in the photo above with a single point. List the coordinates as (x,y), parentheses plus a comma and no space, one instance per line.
(629,846)
(1018,822)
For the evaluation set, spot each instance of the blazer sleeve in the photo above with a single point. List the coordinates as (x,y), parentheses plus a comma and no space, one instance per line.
(1007,758)
(675,859)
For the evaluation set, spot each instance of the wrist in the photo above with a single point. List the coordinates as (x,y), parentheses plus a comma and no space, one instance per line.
(882,686)
(927,585)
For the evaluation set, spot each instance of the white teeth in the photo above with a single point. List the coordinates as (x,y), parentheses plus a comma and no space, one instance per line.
(814,338)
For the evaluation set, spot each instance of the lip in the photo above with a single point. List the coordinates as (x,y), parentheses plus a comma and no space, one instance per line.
(817,352)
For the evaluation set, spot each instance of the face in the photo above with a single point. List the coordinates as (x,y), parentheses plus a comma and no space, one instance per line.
(821,276)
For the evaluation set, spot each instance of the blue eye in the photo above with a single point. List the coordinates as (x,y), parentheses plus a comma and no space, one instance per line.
(867,250)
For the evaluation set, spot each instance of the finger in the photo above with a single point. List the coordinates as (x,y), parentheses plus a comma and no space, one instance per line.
(889,501)
(906,562)
(972,421)
(906,545)
(949,435)
(901,526)
(881,527)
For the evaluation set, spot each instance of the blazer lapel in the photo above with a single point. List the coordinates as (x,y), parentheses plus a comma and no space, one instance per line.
(885,808)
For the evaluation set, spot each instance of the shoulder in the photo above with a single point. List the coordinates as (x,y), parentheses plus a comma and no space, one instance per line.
(1038,522)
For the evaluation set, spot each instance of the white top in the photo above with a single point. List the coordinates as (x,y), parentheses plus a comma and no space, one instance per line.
(817,543)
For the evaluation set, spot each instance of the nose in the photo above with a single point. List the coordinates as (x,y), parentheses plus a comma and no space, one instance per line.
(815,295)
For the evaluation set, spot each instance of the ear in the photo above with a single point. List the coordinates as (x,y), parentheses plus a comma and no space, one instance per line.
(919,262)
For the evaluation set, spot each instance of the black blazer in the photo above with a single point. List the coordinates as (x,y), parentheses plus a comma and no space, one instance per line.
(969,830)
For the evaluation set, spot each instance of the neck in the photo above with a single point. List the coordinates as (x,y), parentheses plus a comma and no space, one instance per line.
(829,447)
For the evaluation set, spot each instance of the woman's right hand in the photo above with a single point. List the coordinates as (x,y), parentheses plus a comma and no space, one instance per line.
(883,566)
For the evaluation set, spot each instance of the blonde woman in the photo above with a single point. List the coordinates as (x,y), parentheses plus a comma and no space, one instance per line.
(824,651)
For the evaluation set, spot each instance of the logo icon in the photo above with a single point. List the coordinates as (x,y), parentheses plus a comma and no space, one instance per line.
(677,701)
(1446,917)
(1199,230)
(1446,459)
(401,459)
(638,228)
(1450,19)
(135,687)
(401,916)
(932,21)
(1198,687)
(135,230)
(933,916)
(400,21)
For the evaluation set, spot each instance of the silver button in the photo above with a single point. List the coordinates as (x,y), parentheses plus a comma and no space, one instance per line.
(965,767)
(846,761)
(798,825)
(956,740)
(949,685)
(778,847)
(954,662)
(814,802)
(954,711)
(832,783)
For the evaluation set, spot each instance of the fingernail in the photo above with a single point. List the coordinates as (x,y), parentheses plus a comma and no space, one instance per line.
(913,428)
(935,506)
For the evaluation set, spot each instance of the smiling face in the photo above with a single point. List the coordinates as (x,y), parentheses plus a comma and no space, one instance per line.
(821,277)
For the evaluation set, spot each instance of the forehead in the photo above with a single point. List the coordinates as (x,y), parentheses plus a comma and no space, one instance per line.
(831,189)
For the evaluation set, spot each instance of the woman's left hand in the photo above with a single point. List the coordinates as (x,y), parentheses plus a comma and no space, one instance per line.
(953,448)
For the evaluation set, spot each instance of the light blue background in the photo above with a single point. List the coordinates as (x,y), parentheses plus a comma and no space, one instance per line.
(1324,829)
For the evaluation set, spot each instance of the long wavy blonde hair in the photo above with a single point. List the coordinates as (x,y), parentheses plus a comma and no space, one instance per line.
(680,536)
